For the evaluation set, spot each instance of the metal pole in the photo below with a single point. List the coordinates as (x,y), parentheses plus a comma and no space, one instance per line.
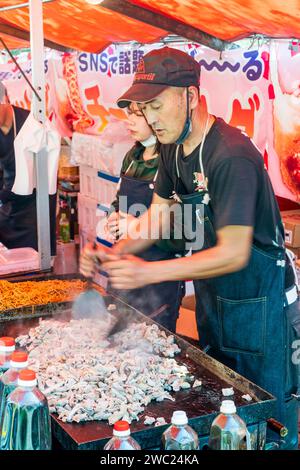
(21,5)
(39,112)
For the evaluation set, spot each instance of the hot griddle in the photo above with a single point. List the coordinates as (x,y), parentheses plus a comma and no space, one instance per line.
(201,404)
(41,310)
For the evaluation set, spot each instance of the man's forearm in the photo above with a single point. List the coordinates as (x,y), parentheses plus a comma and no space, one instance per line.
(231,254)
(152,224)
(139,239)
(132,247)
(209,263)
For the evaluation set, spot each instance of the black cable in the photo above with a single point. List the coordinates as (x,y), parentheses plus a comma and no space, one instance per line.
(16,63)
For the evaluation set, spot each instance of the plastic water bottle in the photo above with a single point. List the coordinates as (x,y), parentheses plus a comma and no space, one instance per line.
(26,419)
(64,228)
(180,436)
(9,380)
(228,430)
(121,439)
(7,347)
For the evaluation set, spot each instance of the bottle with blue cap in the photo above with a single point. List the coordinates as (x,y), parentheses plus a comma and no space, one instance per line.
(26,419)
(180,436)
(228,431)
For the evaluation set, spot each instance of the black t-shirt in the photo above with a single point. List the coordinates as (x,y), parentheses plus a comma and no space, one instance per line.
(238,183)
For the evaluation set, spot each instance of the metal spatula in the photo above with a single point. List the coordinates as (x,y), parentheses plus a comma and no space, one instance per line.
(90,303)
(119,323)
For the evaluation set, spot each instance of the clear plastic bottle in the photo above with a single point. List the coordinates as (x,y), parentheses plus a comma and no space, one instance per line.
(64,228)
(26,419)
(7,347)
(180,436)
(228,431)
(121,439)
(9,380)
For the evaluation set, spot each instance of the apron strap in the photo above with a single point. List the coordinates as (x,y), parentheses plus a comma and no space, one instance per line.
(201,149)
(176,159)
(200,152)
(155,176)
(131,163)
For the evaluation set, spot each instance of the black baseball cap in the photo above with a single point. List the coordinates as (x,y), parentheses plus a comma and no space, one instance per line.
(158,70)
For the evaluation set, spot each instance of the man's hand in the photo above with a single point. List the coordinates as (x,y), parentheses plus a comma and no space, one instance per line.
(92,257)
(119,225)
(127,223)
(128,272)
(112,225)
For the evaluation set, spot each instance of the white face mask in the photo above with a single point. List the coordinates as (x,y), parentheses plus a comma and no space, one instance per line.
(150,141)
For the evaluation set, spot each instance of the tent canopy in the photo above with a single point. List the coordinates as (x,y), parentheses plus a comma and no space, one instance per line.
(75,24)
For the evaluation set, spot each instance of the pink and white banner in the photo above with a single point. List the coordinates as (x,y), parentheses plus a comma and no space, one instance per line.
(257,90)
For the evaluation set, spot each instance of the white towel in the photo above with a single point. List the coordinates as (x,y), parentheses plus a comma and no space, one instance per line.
(31,139)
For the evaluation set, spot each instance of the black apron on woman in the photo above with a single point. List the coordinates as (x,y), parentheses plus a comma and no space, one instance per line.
(162,301)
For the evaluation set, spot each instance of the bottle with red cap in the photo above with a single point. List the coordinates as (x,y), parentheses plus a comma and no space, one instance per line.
(7,347)
(26,419)
(9,380)
(180,436)
(122,439)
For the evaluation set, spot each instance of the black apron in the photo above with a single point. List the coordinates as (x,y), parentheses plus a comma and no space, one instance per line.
(241,318)
(159,301)
(18,218)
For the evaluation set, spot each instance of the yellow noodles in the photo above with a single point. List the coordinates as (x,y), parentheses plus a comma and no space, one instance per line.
(21,294)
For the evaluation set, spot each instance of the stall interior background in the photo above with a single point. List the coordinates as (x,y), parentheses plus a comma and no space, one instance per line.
(254,86)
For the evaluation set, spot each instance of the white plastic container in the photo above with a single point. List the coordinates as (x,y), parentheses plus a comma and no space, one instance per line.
(98,185)
(82,149)
(18,260)
(111,147)
(92,221)
(88,181)
(103,152)
(106,188)
(88,213)
(103,157)
(111,156)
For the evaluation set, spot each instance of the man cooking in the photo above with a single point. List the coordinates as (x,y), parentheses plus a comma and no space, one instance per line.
(244,285)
